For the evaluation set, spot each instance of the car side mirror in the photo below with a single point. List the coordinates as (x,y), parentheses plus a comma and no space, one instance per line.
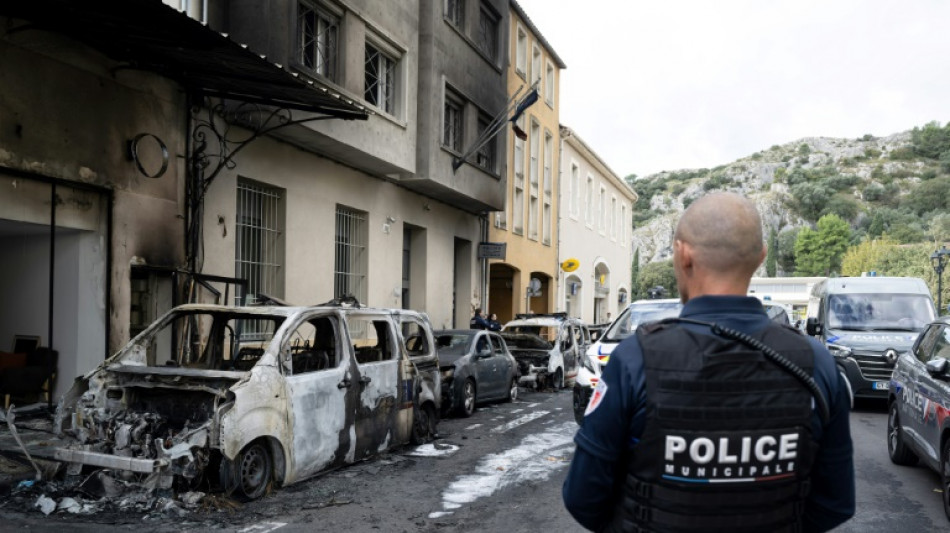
(813,327)
(938,367)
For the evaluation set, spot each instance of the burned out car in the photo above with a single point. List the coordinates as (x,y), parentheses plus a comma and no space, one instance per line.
(252,397)
(476,368)
(548,348)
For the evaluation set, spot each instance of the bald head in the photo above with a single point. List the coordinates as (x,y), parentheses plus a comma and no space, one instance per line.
(724,232)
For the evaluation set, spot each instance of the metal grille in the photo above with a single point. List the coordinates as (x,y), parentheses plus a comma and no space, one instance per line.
(349,271)
(873,365)
(317,35)
(485,157)
(452,129)
(455,12)
(487,37)
(258,249)
(380,89)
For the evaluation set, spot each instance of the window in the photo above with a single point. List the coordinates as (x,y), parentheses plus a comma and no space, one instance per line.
(486,37)
(313,346)
(380,81)
(549,84)
(535,148)
(416,337)
(452,121)
(350,261)
(589,214)
(575,199)
(518,196)
(317,33)
(536,65)
(259,231)
(521,53)
(548,186)
(485,156)
(612,223)
(372,339)
(455,12)
(602,208)
(623,224)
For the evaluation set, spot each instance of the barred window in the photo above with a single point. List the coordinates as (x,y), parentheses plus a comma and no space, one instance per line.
(485,157)
(317,33)
(455,12)
(259,246)
(350,262)
(452,126)
(380,80)
(486,37)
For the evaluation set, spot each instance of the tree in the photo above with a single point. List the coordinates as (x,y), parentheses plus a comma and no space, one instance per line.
(819,252)
(658,273)
(772,254)
(786,249)
(866,256)
(635,276)
(811,199)
(931,140)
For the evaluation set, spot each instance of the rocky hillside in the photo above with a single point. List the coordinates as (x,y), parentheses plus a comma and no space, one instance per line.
(870,181)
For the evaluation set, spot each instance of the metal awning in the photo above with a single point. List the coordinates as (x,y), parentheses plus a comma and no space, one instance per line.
(149,35)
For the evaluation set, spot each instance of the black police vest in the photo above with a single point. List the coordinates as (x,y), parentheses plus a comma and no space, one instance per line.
(727,444)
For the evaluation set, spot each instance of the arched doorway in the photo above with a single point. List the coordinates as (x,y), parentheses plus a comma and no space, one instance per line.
(601,292)
(573,296)
(503,283)
(541,303)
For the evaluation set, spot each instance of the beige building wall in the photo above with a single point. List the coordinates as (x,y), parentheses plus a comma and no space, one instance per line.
(595,224)
(528,225)
(311,188)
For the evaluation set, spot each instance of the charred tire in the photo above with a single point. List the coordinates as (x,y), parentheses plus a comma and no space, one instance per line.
(467,397)
(897,449)
(579,406)
(512,390)
(423,424)
(945,477)
(249,476)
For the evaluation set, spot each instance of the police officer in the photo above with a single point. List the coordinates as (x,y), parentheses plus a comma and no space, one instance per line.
(478,321)
(691,428)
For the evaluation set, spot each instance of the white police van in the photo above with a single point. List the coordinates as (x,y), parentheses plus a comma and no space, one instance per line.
(866,323)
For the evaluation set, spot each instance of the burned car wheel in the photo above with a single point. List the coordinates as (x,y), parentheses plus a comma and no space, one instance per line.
(423,424)
(558,379)
(249,476)
(513,390)
(945,477)
(467,398)
(897,449)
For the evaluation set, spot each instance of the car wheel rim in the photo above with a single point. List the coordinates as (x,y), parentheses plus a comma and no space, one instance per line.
(469,397)
(894,430)
(252,469)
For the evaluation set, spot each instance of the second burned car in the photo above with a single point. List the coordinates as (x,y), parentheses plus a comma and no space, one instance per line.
(476,368)
(252,397)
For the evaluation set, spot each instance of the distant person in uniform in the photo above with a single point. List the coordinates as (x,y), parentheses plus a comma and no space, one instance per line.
(694,426)
(493,323)
(478,321)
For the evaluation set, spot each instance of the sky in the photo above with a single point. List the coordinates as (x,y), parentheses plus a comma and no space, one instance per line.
(674,84)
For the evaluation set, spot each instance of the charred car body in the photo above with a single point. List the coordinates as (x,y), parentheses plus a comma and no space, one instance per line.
(254,397)
(548,348)
(476,367)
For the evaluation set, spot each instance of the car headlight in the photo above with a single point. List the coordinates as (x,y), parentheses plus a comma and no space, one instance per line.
(838,350)
(586,362)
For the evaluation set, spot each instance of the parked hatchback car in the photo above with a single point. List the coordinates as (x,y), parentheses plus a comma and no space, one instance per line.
(255,397)
(592,365)
(476,368)
(548,348)
(918,422)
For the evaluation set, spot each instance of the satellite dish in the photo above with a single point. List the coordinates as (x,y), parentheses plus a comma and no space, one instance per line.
(570,265)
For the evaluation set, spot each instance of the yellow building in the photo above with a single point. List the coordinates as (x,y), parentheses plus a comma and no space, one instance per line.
(528,226)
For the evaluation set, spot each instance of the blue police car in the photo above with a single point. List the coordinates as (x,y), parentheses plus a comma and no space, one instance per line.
(918,422)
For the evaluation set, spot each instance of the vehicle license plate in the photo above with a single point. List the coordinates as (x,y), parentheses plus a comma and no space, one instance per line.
(882,385)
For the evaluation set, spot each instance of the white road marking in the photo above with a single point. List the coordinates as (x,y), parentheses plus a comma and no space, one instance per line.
(513,411)
(520,421)
(262,527)
(473,426)
(434,450)
(535,459)
(533,405)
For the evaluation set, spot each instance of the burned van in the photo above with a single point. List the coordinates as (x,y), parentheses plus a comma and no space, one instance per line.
(548,348)
(254,397)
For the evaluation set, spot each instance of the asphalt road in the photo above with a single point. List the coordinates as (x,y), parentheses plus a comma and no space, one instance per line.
(499,471)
